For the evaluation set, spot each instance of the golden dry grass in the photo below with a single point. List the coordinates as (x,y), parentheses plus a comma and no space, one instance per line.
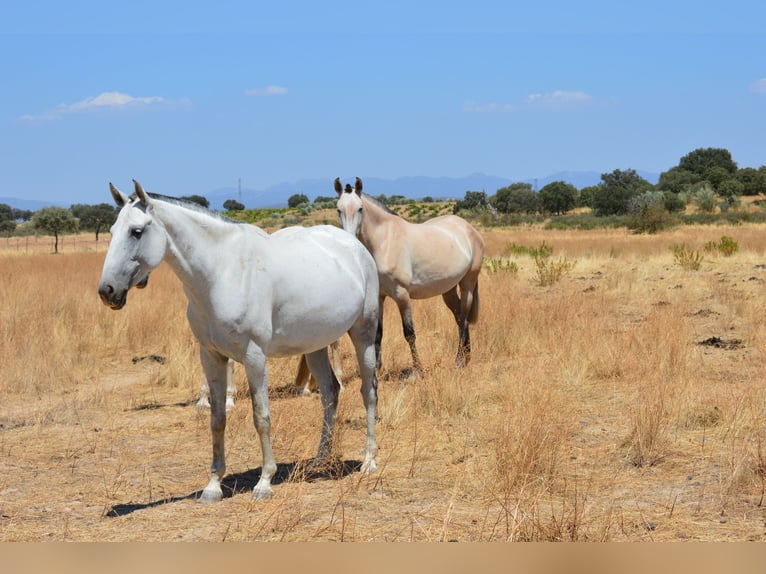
(590,410)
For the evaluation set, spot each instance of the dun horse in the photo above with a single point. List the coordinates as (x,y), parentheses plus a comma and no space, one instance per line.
(418,261)
(252,295)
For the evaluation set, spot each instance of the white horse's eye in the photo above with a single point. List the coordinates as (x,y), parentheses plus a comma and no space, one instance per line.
(136,233)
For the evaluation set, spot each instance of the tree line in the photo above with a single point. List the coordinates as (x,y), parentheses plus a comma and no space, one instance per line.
(707,177)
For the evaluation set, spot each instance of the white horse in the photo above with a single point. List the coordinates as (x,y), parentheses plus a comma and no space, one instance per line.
(253,295)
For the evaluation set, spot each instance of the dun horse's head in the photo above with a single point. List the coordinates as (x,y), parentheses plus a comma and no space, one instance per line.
(137,246)
(350,207)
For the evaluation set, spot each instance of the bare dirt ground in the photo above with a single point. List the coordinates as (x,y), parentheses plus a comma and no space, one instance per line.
(623,403)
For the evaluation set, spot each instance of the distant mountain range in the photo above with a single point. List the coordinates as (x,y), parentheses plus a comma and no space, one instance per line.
(411,187)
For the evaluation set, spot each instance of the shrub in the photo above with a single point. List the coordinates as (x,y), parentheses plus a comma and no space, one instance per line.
(500,265)
(686,257)
(726,246)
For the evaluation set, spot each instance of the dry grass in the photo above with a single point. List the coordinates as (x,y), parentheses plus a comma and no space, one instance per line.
(590,410)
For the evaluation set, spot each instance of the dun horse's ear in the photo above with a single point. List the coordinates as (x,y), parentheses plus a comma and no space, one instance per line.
(358,186)
(119,198)
(338,186)
(142,196)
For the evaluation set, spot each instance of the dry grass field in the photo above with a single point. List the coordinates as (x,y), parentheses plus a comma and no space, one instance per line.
(624,402)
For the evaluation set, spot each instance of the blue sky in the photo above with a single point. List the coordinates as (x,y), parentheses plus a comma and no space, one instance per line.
(188,97)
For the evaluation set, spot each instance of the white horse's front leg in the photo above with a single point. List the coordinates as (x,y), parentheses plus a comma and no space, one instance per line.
(257,379)
(367,358)
(215,368)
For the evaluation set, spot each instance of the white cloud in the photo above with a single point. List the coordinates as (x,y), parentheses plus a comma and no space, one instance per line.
(556,100)
(267,91)
(105,100)
(759,86)
(110,99)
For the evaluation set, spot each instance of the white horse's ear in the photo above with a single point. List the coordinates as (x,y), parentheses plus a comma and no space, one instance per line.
(119,198)
(338,186)
(358,187)
(142,195)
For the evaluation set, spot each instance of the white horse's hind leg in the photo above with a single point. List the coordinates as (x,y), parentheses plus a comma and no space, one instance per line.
(231,390)
(329,387)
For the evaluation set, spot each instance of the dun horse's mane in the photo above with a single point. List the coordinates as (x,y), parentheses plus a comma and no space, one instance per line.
(380,204)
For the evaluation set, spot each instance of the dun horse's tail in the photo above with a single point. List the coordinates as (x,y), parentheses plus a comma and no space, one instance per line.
(473,314)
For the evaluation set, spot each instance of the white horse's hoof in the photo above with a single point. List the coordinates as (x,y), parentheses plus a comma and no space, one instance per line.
(210,496)
(369,467)
(260,493)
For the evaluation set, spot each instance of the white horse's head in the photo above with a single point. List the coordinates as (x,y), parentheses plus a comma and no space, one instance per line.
(138,246)
(350,208)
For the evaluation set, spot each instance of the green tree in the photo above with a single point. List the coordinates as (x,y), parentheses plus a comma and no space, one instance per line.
(585,196)
(325,199)
(753,180)
(7,220)
(233,205)
(730,189)
(616,190)
(94,217)
(676,180)
(709,164)
(515,198)
(473,201)
(296,199)
(558,197)
(673,202)
(54,220)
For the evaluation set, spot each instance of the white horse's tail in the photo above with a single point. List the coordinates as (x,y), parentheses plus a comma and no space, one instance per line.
(473,314)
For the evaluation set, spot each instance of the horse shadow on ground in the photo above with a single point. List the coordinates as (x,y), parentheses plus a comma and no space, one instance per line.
(244,482)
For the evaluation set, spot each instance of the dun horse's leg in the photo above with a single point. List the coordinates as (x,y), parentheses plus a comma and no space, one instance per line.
(453,301)
(305,382)
(231,387)
(336,364)
(319,365)
(257,380)
(231,390)
(405,310)
(214,366)
(379,333)
(469,312)
(303,378)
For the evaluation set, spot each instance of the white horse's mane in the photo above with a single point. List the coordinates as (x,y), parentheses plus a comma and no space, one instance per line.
(193,206)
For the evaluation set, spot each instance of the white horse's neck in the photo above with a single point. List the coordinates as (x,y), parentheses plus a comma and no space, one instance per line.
(196,242)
